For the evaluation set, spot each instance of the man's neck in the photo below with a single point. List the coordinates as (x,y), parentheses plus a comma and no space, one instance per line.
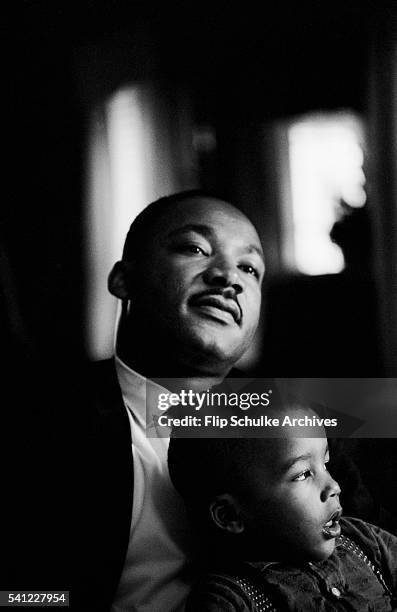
(196,373)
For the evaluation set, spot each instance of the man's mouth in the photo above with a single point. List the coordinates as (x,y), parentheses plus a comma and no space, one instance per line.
(217,306)
(331,529)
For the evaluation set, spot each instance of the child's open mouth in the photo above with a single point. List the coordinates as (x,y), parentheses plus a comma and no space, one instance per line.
(331,529)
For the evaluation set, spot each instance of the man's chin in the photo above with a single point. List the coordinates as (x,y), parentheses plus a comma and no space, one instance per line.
(215,345)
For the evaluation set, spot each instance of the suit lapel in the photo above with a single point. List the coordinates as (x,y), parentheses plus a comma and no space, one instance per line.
(106,490)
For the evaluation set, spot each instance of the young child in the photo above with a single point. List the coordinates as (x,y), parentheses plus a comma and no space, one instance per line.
(268,517)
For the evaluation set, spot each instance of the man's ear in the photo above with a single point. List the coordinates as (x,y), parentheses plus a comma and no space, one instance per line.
(226,513)
(119,280)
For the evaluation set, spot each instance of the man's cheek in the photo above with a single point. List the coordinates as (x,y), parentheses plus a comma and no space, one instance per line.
(178,288)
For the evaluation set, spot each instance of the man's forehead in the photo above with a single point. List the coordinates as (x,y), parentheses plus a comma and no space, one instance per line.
(205,215)
(191,206)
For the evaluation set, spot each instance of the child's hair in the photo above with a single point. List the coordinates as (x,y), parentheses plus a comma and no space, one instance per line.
(202,468)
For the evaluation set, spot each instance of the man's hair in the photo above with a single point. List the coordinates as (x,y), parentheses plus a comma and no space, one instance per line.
(141,229)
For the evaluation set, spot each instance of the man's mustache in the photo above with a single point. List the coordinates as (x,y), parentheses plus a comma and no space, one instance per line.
(224,298)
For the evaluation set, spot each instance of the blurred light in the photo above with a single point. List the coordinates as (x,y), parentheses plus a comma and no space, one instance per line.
(204,139)
(326,166)
(137,152)
(116,193)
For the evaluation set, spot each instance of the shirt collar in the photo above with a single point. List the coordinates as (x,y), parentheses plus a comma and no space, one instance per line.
(135,390)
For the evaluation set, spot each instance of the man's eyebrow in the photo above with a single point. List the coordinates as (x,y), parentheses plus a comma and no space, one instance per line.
(256,249)
(207,231)
(199,228)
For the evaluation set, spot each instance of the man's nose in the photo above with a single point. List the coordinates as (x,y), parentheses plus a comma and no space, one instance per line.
(222,273)
(330,489)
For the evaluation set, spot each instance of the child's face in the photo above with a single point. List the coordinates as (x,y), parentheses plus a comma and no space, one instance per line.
(292,507)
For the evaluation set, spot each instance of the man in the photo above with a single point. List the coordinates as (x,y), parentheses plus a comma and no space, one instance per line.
(190,284)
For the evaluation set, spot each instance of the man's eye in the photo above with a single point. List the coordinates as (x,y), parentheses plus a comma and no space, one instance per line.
(192,248)
(249,270)
(303,475)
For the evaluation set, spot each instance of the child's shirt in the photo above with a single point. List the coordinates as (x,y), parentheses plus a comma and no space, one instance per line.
(360,575)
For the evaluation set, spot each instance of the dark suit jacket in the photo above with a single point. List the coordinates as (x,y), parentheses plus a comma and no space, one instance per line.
(106,480)
(68,483)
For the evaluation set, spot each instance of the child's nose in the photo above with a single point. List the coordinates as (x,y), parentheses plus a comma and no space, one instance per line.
(331,488)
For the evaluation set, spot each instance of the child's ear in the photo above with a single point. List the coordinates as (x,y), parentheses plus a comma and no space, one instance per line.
(226,513)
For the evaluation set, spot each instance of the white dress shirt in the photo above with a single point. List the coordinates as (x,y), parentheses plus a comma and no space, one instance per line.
(157,573)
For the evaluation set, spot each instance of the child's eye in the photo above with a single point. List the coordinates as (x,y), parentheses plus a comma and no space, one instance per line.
(249,270)
(303,475)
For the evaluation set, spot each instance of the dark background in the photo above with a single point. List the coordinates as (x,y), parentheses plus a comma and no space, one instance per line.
(244,65)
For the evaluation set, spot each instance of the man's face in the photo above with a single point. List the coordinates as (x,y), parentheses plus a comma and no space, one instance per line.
(294,501)
(199,282)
